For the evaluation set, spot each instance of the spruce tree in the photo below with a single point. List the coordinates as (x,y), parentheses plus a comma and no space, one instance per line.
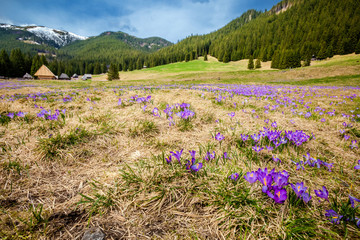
(17,63)
(251,63)
(357,49)
(257,63)
(205,57)
(113,72)
(5,64)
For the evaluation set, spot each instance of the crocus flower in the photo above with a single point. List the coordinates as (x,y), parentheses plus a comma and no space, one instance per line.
(21,114)
(274,124)
(209,156)
(144,107)
(234,176)
(232,114)
(280,179)
(219,137)
(269,148)
(306,197)
(251,177)
(323,120)
(119,102)
(353,144)
(334,217)
(177,155)
(357,167)
(155,112)
(353,200)
(192,153)
(257,148)
(276,159)
(328,165)
(168,159)
(280,195)
(298,188)
(266,181)
(171,121)
(346,137)
(266,121)
(244,137)
(196,167)
(10,115)
(226,156)
(322,193)
(299,165)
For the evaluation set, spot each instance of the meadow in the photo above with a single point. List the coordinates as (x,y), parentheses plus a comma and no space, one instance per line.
(197,150)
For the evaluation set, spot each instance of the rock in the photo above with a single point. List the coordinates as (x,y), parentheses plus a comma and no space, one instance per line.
(93,234)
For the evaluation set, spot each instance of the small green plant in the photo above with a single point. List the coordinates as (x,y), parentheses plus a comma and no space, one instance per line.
(52,145)
(144,128)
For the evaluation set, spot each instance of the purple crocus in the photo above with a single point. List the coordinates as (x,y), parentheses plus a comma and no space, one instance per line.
(322,193)
(196,167)
(144,107)
(21,114)
(257,148)
(353,200)
(10,115)
(234,176)
(155,112)
(299,165)
(274,124)
(298,188)
(306,197)
(209,156)
(192,153)
(251,177)
(266,181)
(168,159)
(281,179)
(226,156)
(244,137)
(279,196)
(357,167)
(276,159)
(354,144)
(334,216)
(232,114)
(177,155)
(219,137)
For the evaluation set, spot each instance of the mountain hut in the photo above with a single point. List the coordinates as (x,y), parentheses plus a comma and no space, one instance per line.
(75,76)
(86,77)
(27,76)
(64,76)
(44,73)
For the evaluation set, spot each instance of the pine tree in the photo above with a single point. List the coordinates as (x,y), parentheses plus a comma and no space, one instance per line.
(257,63)
(205,57)
(97,68)
(251,63)
(5,64)
(113,72)
(17,63)
(357,49)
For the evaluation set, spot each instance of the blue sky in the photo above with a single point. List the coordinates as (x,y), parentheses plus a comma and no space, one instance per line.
(172,20)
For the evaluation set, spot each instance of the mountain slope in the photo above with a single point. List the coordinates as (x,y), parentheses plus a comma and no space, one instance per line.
(297,27)
(41,37)
(111,45)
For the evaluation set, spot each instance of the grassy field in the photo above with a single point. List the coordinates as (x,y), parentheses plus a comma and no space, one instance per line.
(177,159)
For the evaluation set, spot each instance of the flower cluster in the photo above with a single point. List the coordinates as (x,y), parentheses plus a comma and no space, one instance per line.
(190,165)
(273,183)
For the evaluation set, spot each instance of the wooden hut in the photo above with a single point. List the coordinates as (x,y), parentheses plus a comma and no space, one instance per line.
(44,73)
(27,76)
(64,76)
(75,76)
(86,77)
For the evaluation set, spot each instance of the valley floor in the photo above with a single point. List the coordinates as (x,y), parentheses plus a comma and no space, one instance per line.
(117,155)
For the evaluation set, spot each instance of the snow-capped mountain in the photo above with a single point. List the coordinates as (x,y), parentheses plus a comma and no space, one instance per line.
(44,35)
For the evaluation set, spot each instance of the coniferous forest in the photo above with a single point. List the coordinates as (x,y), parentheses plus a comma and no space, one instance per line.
(291,32)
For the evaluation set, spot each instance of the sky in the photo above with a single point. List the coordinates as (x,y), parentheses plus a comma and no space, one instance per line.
(172,20)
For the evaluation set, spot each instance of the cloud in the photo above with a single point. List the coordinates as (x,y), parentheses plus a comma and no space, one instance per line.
(172,20)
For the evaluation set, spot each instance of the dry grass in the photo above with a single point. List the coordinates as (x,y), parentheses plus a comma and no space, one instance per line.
(113,174)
